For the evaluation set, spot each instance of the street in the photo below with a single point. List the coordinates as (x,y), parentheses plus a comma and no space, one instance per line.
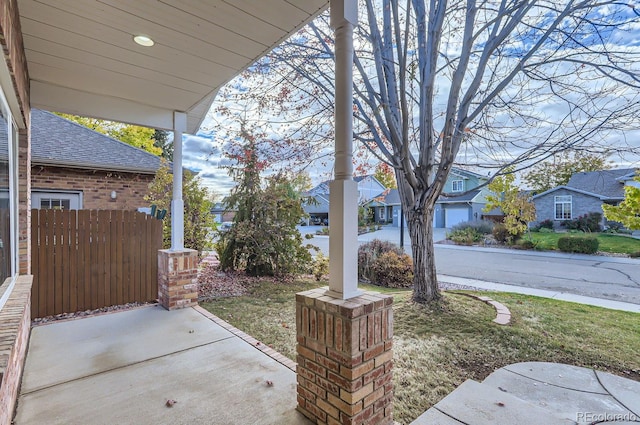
(610,278)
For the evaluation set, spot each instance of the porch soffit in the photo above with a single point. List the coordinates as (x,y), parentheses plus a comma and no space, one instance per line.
(82,58)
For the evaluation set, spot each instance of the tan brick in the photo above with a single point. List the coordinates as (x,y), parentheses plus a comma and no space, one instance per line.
(316,368)
(373,397)
(330,410)
(363,333)
(373,375)
(338,333)
(328,363)
(346,408)
(372,352)
(357,371)
(384,357)
(354,397)
(313,324)
(329,330)
(306,352)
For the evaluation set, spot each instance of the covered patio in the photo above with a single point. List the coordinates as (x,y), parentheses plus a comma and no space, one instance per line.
(160,64)
(125,367)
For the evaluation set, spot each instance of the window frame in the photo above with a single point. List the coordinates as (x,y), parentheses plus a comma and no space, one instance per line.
(457,182)
(557,201)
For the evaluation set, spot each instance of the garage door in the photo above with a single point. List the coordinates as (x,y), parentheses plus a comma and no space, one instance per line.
(453,216)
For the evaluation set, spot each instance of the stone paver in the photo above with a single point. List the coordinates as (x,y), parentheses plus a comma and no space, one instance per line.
(540,393)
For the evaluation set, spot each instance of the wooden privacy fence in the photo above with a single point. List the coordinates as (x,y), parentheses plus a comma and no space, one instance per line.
(89,259)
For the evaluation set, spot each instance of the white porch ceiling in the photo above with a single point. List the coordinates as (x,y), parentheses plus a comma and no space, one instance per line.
(82,58)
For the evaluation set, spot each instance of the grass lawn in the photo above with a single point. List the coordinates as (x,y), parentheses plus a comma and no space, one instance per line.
(438,347)
(608,242)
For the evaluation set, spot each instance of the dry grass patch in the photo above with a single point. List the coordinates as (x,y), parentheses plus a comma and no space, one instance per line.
(438,347)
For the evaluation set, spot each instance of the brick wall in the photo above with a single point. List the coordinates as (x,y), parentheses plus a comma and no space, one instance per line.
(96,186)
(24,201)
(345,358)
(580,204)
(15,325)
(13,47)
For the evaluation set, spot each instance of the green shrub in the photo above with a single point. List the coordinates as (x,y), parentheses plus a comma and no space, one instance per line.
(590,222)
(369,252)
(483,227)
(393,270)
(527,243)
(465,236)
(579,244)
(500,233)
(546,230)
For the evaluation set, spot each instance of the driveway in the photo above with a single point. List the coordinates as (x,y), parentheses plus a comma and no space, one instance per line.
(387,233)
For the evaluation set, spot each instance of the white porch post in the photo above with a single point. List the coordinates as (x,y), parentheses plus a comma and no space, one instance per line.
(177,204)
(343,197)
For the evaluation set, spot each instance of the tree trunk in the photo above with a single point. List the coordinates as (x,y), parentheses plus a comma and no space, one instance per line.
(425,281)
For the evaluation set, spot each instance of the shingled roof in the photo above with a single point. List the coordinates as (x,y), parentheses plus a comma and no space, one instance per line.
(608,183)
(60,142)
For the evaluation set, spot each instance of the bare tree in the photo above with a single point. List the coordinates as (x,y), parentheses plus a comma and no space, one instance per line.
(496,85)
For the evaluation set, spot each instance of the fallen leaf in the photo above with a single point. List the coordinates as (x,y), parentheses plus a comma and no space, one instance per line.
(502,389)
(170,403)
(501,404)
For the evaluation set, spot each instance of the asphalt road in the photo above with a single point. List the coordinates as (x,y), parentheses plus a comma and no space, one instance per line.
(610,278)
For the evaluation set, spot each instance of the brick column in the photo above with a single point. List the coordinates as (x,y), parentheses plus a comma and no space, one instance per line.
(177,274)
(345,358)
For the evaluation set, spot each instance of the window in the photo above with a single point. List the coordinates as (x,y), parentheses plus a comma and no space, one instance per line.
(457,186)
(55,204)
(563,207)
(56,200)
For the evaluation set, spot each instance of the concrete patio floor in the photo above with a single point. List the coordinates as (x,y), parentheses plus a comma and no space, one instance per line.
(121,368)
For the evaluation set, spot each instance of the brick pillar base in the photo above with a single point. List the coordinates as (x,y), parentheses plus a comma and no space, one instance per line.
(177,274)
(345,358)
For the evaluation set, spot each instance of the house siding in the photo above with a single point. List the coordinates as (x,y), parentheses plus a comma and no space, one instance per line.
(96,186)
(580,204)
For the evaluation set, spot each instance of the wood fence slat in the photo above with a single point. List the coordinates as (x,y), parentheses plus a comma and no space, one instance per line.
(119,284)
(148,260)
(86,250)
(57,258)
(128,262)
(63,244)
(73,260)
(95,266)
(105,228)
(48,271)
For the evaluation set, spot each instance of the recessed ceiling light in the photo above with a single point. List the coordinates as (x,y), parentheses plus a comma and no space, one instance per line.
(143,40)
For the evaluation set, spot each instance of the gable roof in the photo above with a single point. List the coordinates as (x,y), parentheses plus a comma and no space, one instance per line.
(467,197)
(573,189)
(60,142)
(605,183)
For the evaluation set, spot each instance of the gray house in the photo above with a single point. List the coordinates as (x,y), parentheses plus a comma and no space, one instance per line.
(368,188)
(450,208)
(584,193)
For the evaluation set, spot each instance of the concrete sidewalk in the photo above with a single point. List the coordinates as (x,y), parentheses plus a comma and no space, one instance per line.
(556,295)
(121,368)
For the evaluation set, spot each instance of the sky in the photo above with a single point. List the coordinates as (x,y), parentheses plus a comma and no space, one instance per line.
(203,152)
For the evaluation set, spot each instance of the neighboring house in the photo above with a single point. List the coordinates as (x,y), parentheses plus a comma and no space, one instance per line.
(368,188)
(449,209)
(221,214)
(584,193)
(73,167)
